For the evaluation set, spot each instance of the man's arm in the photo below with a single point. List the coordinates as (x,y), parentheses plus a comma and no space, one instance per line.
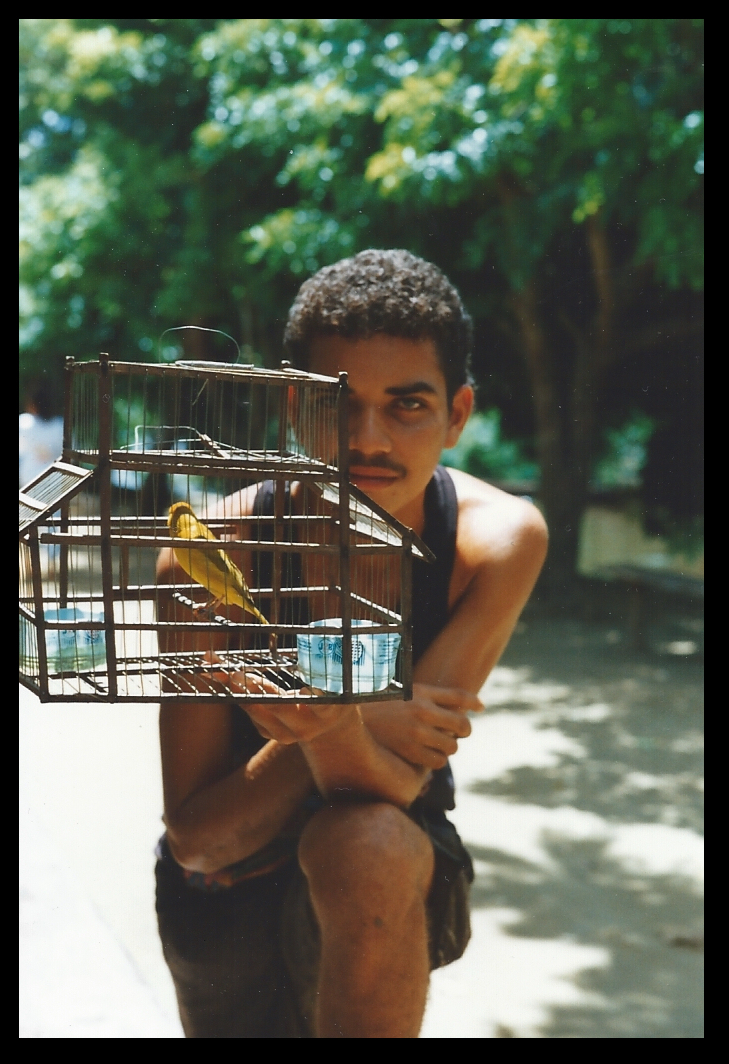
(345,758)
(500,570)
(215,812)
(216,816)
(502,543)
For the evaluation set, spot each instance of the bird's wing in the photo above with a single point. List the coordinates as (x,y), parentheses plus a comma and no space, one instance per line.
(207,567)
(191,527)
(206,560)
(216,559)
(231,569)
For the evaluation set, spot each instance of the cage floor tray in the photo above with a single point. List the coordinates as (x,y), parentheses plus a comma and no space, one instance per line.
(192,674)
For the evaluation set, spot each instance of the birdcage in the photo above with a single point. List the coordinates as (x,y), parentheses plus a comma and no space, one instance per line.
(199,536)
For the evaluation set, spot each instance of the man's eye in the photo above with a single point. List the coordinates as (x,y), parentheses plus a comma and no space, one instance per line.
(410,404)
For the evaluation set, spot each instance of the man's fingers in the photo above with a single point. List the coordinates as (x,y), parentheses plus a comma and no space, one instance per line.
(464,727)
(448,744)
(271,728)
(433,759)
(454,697)
(425,756)
(250,682)
(260,685)
(443,742)
(450,721)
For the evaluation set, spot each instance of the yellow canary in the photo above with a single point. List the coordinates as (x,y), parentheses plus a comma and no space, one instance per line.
(212,569)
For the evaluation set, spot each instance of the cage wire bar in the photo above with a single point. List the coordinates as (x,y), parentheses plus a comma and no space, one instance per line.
(108,539)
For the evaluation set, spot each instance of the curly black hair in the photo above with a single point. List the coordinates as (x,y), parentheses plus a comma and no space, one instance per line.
(391,292)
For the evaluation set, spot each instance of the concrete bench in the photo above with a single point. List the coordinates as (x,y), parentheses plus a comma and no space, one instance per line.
(639,582)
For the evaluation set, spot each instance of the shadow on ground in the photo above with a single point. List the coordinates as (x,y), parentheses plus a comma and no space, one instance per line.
(637,718)
(652,987)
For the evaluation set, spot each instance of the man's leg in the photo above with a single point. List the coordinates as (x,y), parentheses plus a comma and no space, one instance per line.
(223,952)
(369,869)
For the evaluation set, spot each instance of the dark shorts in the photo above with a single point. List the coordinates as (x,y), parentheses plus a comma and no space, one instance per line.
(245,959)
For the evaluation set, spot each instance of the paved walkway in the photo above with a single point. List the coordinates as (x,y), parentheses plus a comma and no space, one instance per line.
(579,797)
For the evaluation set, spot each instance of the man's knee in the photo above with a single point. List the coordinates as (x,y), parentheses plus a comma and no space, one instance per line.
(365,849)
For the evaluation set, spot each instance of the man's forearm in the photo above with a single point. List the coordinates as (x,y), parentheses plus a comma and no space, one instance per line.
(347,761)
(230,819)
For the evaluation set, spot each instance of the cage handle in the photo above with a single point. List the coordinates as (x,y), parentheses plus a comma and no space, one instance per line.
(199,328)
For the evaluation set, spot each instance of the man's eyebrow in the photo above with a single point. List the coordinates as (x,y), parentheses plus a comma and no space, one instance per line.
(411,389)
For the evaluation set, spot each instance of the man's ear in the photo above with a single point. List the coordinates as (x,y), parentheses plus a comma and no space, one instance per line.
(460,411)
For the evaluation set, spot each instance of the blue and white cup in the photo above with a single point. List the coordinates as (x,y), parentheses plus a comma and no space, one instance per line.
(75,649)
(374,657)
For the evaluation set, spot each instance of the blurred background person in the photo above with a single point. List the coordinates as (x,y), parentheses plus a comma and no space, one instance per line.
(40,434)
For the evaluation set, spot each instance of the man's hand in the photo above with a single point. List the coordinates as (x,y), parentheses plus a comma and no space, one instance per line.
(424,731)
(376,749)
(287,723)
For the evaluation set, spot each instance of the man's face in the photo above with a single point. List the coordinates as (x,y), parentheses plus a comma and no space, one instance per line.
(399,418)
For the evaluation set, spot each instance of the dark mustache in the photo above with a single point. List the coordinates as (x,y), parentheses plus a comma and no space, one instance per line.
(378,462)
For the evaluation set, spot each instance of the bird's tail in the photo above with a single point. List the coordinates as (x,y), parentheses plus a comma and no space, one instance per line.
(256,613)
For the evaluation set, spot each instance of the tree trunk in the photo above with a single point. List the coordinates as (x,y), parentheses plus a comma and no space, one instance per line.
(561,502)
(565,423)
(595,352)
(567,426)
(562,506)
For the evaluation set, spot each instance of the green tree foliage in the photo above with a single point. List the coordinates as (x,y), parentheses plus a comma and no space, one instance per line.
(483,452)
(195,171)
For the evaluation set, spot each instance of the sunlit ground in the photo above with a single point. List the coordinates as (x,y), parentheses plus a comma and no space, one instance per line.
(579,795)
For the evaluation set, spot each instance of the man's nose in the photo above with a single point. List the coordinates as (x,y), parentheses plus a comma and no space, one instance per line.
(367,433)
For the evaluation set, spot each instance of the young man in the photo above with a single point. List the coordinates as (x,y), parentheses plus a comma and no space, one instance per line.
(310,880)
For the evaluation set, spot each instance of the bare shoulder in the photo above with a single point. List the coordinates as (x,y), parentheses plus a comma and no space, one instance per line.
(495,527)
(501,543)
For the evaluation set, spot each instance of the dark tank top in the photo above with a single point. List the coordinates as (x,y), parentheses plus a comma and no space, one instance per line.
(431,583)
(430,601)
